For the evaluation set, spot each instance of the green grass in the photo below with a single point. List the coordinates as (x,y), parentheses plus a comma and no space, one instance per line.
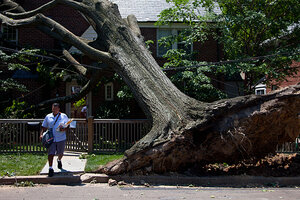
(95,160)
(21,164)
(19,148)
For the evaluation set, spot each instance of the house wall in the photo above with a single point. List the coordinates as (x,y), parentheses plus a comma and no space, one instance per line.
(292,80)
(209,51)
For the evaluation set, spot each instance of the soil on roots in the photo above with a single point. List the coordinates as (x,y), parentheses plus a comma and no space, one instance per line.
(277,165)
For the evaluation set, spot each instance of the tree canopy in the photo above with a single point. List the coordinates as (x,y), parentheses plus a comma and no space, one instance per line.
(265,31)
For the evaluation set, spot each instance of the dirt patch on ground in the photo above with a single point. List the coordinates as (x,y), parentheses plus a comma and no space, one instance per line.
(273,165)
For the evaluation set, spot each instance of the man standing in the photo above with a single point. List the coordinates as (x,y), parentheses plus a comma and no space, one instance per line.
(53,120)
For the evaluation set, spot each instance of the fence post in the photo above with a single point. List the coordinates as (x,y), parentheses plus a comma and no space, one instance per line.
(90,133)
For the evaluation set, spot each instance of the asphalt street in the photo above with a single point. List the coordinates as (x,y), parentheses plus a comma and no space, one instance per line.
(103,191)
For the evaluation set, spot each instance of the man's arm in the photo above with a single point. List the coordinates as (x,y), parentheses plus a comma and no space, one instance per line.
(44,125)
(66,119)
(42,131)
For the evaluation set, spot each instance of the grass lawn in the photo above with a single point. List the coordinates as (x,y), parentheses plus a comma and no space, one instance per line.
(21,164)
(94,160)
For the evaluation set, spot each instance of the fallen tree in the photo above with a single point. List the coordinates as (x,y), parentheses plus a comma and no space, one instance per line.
(184,131)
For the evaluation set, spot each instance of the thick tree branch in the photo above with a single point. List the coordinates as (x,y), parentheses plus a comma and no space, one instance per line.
(86,40)
(45,7)
(31,13)
(65,35)
(80,7)
(8,5)
(132,22)
(81,69)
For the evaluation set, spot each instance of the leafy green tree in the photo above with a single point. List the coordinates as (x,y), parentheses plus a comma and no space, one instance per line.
(16,111)
(10,63)
(262,36)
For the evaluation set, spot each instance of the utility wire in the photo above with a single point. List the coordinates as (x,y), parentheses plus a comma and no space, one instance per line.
(228,61)
(166,69)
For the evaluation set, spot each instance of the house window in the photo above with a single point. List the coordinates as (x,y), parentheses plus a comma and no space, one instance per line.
(261,89)
(260,92)
(109,92)
(9,34)
(162,50)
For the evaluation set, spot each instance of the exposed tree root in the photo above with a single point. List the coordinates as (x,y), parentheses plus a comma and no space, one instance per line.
(252,131)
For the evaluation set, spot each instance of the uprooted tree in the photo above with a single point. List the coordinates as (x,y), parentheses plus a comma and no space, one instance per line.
(184,131)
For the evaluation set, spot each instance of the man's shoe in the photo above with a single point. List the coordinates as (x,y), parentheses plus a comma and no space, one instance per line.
(59,165)
(51,172)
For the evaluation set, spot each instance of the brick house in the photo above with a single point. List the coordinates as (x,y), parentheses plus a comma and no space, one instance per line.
(146,12)
(292,80)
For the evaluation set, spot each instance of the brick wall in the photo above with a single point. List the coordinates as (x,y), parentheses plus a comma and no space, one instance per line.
(209,51)
(292,80)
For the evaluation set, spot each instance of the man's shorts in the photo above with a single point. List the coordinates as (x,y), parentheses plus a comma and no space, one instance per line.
(57,148)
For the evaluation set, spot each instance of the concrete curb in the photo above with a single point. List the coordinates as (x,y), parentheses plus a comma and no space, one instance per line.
(42,179)
(228,181)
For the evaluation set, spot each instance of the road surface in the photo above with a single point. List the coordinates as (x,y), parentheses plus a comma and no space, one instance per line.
(103,191)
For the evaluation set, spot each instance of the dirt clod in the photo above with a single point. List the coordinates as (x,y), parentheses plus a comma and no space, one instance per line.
(273,165)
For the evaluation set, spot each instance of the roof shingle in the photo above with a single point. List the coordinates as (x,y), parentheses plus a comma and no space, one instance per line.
(144,10)
(147,10)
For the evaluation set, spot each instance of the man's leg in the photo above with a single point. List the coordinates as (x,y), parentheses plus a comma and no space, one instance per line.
(51,153)
(60,152)
(50,160)
(60,156)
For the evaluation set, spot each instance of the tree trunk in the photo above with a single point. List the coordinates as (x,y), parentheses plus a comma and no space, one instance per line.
(184,131)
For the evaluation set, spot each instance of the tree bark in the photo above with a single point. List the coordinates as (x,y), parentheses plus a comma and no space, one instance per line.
(184,131)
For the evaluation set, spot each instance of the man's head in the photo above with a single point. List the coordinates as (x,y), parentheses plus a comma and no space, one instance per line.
(55,108)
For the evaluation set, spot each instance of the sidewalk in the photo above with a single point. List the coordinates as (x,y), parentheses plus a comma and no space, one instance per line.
(70,164)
